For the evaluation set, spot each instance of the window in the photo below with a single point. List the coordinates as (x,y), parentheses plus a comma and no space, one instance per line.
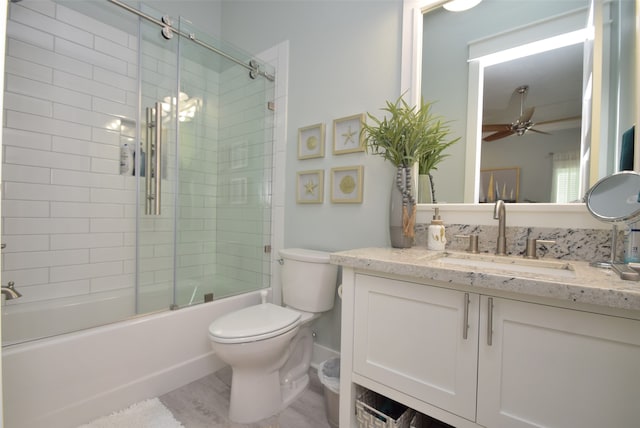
(566,177)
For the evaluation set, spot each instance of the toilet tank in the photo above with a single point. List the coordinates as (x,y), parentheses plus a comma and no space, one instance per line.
(308,280)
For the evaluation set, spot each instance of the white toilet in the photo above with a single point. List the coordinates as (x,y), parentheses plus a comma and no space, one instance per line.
(269,347)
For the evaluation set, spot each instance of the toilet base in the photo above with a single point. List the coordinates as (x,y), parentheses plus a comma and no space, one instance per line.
(254,396)
(291,391)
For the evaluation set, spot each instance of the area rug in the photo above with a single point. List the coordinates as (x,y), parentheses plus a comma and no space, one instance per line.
(145,414)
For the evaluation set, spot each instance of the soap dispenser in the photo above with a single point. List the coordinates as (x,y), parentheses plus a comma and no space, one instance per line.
(436,239)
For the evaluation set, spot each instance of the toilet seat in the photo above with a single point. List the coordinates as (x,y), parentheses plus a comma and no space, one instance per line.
(254,323)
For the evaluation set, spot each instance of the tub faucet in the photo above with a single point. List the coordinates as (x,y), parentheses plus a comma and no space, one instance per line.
(500,214)
(10,292)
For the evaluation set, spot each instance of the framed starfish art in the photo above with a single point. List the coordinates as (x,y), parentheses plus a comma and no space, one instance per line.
(310,187)
(347,135)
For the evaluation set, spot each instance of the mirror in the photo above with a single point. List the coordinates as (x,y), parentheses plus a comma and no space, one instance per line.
(616,197)
(447,77)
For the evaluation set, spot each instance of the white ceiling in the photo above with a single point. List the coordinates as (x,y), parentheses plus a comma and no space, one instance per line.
(555,87)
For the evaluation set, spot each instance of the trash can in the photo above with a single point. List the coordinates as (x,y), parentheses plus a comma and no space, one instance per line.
(329,374)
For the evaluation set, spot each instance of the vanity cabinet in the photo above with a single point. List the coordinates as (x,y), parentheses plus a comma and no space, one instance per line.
(413,339)
(491,361)
(546,366)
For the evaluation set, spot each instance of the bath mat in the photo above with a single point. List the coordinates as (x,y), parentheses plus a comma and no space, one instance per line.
(145,414)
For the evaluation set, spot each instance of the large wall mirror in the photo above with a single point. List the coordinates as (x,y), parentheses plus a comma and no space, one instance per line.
(486,70)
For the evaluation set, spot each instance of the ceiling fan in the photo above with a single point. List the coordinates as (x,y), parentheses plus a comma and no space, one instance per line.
(521,125)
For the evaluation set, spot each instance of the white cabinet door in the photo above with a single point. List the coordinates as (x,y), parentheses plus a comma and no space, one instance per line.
(412,338)
(551,367)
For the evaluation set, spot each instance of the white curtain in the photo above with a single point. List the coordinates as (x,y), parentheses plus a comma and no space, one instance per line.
(566,177)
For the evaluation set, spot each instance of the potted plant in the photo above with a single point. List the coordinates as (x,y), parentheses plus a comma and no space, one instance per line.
(406,135)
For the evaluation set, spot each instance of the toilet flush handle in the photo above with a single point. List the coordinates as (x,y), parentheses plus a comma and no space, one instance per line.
(263,296)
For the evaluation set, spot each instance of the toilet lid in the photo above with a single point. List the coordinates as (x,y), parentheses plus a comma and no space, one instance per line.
(254,323)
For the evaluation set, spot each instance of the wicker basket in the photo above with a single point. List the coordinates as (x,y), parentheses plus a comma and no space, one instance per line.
(369,414)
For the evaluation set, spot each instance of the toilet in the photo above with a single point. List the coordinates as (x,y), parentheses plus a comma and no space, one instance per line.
(269,347)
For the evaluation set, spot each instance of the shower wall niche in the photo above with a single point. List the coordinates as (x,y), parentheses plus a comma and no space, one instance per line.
(81,246)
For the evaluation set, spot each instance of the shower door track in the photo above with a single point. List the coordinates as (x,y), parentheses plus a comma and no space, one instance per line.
(253,67)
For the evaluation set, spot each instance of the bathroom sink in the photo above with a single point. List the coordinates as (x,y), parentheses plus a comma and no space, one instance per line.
(511,264)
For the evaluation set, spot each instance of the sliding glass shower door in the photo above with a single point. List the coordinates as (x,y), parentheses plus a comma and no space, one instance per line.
(137,165)
(155,156)
(204,204)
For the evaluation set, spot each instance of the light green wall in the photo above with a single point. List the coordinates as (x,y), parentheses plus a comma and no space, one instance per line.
(344,60)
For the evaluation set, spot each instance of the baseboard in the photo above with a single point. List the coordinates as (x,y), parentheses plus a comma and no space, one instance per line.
(321,353)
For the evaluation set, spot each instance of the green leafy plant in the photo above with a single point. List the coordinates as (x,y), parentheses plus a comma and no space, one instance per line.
(407,135)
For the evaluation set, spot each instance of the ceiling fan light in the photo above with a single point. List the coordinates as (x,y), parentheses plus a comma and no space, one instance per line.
(460,5)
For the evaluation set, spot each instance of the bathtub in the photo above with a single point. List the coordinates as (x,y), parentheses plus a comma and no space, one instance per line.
(68,380)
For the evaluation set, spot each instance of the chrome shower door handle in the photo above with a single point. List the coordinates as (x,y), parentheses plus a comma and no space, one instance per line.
(147,162)
(158,158)
(153,160)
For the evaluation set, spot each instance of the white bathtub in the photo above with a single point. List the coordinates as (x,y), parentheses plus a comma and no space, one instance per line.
(68,380)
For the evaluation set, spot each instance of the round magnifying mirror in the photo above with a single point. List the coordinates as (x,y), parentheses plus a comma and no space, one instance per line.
(615,197)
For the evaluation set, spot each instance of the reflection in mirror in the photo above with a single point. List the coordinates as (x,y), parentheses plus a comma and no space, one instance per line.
(527,115)
(447,79)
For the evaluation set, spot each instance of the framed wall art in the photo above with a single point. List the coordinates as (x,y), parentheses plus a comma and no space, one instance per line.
(347,135)
(310,187)
(311,141)
(501,183)
(346,184)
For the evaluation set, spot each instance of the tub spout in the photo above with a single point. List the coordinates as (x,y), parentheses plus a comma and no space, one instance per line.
(10,292)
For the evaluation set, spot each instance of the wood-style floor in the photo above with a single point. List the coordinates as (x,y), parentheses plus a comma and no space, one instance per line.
(205,404)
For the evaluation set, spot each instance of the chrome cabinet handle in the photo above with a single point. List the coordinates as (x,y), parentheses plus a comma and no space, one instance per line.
(465,321)
(490,322)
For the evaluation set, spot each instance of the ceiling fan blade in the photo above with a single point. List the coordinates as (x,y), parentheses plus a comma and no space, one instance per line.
(539,132)
(498,135)
(496,127)
(526,115)
(566,119)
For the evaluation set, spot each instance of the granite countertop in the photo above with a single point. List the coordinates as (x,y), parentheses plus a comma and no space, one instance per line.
(575,281)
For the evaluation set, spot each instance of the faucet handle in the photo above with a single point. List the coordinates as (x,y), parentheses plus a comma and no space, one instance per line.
(532,245)
(473,242)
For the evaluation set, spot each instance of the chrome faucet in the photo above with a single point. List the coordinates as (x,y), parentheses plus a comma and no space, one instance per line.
(500,214)
(9,291)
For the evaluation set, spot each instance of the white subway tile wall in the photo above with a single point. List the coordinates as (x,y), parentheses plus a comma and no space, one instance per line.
(69,215)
